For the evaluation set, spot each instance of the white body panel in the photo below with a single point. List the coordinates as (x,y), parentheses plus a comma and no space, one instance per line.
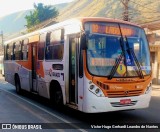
(11,68)
(95,104)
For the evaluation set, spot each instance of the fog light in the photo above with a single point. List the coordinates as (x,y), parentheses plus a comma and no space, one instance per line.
(97,91)
(90,82)
(91,87)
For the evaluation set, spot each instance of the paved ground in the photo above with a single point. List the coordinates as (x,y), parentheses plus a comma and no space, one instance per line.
(155,90)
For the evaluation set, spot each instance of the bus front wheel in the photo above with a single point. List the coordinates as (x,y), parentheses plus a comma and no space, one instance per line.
(56,95)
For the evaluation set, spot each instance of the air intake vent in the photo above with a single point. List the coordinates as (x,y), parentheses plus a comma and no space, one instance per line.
(104,86)
(125,93)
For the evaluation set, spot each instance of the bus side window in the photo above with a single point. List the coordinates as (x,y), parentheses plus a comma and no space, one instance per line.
(41,46)
(17,50)
(6,52)
(25,49)
(13,52)
(9,51)
(55,45)
(47,53)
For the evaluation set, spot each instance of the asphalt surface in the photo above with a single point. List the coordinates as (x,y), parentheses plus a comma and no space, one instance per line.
(27,111)
(156,90)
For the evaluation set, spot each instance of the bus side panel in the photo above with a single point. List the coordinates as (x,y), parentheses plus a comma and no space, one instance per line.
(43,88)
(42,84)
(25,75)
(12,68)
(50,75)
(80,93)
(9,72)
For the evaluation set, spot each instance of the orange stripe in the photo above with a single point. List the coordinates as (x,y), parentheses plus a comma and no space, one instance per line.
(34,38)
(40,70)
(26,63)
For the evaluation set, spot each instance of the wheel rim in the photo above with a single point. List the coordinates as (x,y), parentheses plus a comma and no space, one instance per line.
(58,97)
(17,85)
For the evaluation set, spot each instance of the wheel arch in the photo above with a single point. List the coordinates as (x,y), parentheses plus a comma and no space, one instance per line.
(17,83)
(55,85)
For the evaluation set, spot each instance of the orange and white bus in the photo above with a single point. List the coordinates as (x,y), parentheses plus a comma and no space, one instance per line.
(89,64)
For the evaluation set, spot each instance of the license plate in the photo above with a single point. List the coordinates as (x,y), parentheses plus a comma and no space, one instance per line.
(125,101)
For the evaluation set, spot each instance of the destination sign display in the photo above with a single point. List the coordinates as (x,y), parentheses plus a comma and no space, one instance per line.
(102,62)
(113,30)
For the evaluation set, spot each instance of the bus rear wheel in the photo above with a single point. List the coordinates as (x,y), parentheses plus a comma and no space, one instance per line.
(17,85)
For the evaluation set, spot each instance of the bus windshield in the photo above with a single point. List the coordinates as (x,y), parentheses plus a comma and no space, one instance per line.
(104,48)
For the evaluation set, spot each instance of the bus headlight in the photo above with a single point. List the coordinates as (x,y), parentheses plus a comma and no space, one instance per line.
(95,90)
(91,87)
(149,87)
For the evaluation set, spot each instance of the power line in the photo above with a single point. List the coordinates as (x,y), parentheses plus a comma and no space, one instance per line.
(125,13)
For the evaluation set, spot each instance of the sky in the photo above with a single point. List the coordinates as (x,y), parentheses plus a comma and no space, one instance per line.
(10,6)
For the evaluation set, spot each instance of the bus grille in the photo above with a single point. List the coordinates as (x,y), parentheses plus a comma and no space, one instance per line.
(118,104)
(126,93)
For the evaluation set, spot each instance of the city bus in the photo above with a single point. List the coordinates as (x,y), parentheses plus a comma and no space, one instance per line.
(91,64)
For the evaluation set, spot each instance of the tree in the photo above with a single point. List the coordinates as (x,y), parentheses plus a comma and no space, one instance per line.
(40,14)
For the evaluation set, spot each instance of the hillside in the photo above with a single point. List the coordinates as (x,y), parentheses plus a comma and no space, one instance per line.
(140,11)
(15,23)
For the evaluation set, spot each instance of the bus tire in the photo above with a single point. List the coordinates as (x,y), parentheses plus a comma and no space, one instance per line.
(56,95)
(17,84)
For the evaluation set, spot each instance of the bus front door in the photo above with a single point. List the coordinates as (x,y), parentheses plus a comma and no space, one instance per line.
(34,63)
(73,70)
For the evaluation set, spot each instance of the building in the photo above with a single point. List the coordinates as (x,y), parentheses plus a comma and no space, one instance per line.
(153,34)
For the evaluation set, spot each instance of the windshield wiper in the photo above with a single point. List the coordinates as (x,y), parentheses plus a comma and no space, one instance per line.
(131,53)
(123,54)
(117,62)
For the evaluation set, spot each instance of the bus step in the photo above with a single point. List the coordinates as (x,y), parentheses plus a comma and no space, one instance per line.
(74,106)
(34,92)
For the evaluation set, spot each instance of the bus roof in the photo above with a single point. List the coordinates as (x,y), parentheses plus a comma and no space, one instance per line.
(80,20)
(103,19)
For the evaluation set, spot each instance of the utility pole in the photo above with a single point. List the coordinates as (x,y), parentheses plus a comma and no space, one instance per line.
(1,38)
(125,13)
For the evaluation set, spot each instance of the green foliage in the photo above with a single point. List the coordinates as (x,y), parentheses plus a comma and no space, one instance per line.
(40,14)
